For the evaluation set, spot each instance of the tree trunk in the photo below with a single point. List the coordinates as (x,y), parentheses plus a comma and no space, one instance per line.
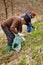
(12,6)
(5,4)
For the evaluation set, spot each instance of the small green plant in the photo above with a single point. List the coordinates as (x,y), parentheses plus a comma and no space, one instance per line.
(23,60)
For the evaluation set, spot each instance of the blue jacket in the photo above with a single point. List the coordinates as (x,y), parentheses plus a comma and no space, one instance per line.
(29,19)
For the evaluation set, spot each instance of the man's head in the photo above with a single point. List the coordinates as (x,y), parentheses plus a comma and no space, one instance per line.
(27,17)
(33,14)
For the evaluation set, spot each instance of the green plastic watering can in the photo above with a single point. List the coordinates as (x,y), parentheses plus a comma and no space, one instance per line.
(17,43)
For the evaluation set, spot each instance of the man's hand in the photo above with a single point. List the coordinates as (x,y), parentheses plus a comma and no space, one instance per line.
(20,34)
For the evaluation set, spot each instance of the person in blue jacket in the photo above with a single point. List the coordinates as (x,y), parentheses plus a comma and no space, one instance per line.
(27,17)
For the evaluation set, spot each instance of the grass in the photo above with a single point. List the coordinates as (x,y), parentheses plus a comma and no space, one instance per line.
(35,39)
(36,45)
(36,57)
(22,59)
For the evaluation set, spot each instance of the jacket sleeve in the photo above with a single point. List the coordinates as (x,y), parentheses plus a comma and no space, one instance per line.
(19,28)
(13,27)
(31,25)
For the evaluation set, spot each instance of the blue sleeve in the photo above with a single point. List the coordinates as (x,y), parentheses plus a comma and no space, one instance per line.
(31,25)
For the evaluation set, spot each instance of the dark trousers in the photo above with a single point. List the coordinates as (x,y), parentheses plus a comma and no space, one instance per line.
(10,36)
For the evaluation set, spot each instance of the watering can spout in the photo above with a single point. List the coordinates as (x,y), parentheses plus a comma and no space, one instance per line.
(23,38)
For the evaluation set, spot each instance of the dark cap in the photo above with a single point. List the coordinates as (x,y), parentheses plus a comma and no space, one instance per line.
(26,17)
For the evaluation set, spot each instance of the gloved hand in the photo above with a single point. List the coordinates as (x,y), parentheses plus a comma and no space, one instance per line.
(20,34)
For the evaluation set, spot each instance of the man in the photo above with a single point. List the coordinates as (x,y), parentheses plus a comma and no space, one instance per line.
(28,18)
(14,24)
